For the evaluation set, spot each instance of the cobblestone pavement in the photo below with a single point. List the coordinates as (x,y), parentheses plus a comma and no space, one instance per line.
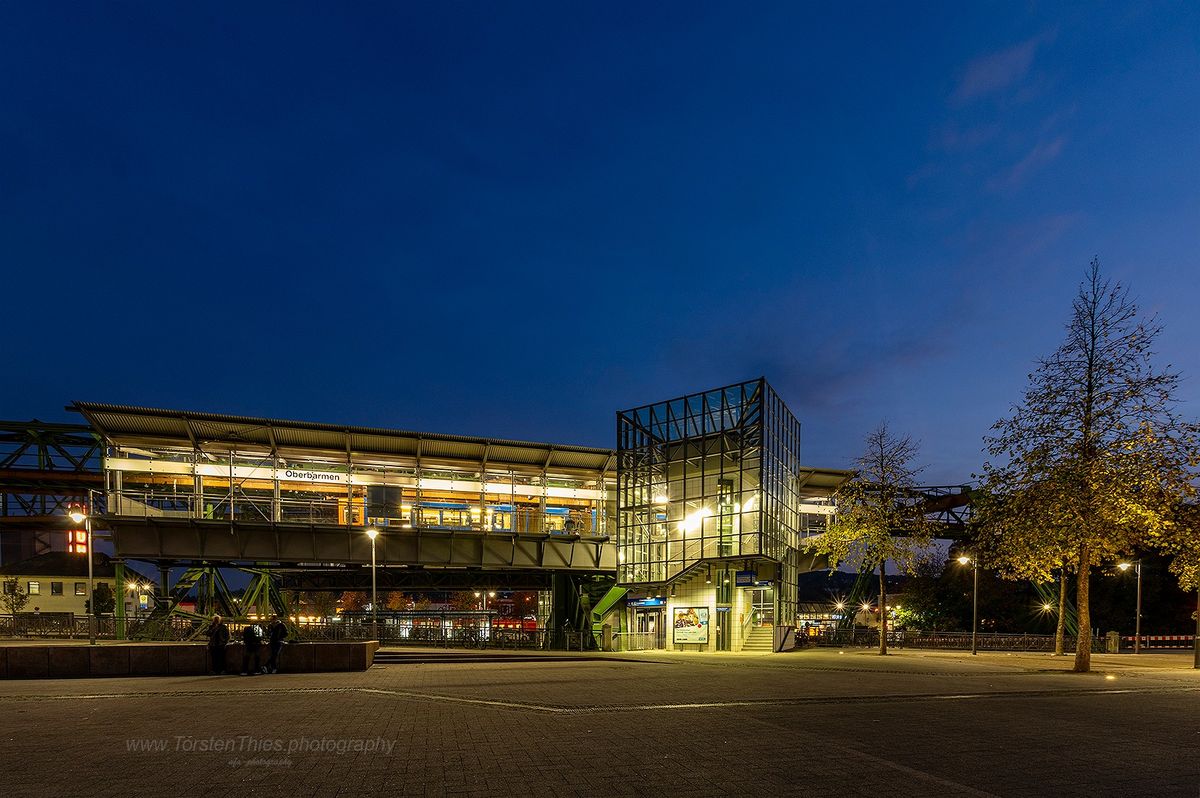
(805,723)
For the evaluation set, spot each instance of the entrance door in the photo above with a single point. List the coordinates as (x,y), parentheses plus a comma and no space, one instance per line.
(723,636)
(650,628)
(764,606)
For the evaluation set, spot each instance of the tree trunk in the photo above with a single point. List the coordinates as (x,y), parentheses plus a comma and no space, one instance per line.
(1060,632)
(1083,638)
(883,620)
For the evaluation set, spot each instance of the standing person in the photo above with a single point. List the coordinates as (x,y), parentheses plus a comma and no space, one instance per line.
(276,637)
(252,637)
(218,638)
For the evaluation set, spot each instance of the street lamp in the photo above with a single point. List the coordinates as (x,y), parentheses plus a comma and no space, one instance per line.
(373,533)
(135,589)
(1137,623)
(83,514)
(964,560)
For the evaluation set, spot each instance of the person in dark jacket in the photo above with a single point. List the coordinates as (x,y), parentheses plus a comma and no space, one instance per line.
(276,637)
(252,637)
(218,638)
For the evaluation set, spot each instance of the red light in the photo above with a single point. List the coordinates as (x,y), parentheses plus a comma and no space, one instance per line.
(77,541)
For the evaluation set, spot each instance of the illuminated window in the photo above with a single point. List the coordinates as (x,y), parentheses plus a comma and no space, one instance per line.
(35,588)
(77,541)
(81,588)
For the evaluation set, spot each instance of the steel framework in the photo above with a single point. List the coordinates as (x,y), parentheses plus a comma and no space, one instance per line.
(44,468)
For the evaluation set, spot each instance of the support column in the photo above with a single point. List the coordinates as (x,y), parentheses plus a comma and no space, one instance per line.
(119,607)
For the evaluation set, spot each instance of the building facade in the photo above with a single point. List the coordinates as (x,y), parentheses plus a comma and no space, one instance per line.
(713,508)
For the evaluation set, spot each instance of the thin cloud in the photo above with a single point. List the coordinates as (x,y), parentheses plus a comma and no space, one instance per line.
(1015,176)
(996,71)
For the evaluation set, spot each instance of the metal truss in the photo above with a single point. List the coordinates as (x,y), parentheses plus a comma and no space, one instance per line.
(44,468)
(207,586)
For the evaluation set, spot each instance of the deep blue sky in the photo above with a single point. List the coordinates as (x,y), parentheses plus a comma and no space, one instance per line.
(512,222)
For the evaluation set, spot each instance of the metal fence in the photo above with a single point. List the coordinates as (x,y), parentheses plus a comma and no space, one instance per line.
(435,632)
(634,641)
(985,641)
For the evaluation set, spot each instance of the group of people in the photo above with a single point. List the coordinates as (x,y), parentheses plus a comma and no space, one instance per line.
(253,638)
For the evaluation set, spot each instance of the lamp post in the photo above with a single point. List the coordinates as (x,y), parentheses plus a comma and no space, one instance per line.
(1137,623)
(373,533)
(963,560)
(135,589)
(84,514)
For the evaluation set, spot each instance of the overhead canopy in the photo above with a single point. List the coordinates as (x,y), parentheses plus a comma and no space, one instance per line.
(822,479)
(125,424)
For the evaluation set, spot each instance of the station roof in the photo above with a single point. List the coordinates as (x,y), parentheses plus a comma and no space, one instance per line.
(123,423)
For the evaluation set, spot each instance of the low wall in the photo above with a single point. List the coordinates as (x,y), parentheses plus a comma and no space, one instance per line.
(74,661)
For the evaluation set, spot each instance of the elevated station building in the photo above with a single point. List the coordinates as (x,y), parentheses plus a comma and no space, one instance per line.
(698,515)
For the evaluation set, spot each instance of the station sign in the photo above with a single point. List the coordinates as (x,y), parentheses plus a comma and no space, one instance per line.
(746,578)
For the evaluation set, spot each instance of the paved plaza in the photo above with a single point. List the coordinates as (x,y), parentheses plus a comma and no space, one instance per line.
(805,723)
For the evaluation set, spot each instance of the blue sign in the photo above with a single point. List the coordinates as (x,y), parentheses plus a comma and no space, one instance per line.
(746,578)
(648,602)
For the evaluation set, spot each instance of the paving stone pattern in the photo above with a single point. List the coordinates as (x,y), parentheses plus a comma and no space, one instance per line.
(805,723)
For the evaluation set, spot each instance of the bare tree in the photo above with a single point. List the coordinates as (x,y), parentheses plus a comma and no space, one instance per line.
(1095,451)
(880,515)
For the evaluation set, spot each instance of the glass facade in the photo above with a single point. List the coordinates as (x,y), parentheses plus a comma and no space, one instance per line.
(710,478)
(216,481)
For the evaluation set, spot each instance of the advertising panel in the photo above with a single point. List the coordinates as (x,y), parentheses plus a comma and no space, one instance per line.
(690,624)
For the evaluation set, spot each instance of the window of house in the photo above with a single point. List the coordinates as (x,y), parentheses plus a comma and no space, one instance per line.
(35,588)
(56,588)
(81,588)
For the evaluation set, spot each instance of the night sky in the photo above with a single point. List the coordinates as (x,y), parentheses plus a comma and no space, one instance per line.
(511,220)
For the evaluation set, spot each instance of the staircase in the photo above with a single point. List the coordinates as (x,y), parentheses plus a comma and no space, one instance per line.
(759,640)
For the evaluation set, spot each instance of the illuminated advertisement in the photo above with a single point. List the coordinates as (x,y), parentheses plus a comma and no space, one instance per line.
(690,624)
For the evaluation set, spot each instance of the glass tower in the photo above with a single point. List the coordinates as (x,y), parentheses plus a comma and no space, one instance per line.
(706,481)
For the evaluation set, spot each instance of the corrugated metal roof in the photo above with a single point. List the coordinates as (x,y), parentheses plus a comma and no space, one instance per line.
(118,422)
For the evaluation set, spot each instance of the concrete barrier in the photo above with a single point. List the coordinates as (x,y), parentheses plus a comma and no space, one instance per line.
(74,661)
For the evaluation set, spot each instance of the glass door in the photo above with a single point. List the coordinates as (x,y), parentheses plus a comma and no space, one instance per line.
(764,606)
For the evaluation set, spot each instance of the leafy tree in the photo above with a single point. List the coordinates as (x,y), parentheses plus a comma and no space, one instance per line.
(395,600)
(1095,451)
(106,601)
(354,601)
(422,604)
(880,515)
(932,603)
(14,598)
(321,603)
(464,600)
(1185,545)
(1016,536)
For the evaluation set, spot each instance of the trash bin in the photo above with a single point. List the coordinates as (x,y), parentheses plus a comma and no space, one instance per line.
(606,637)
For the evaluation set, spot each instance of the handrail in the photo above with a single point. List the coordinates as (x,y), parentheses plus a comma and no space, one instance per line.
(746,624)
